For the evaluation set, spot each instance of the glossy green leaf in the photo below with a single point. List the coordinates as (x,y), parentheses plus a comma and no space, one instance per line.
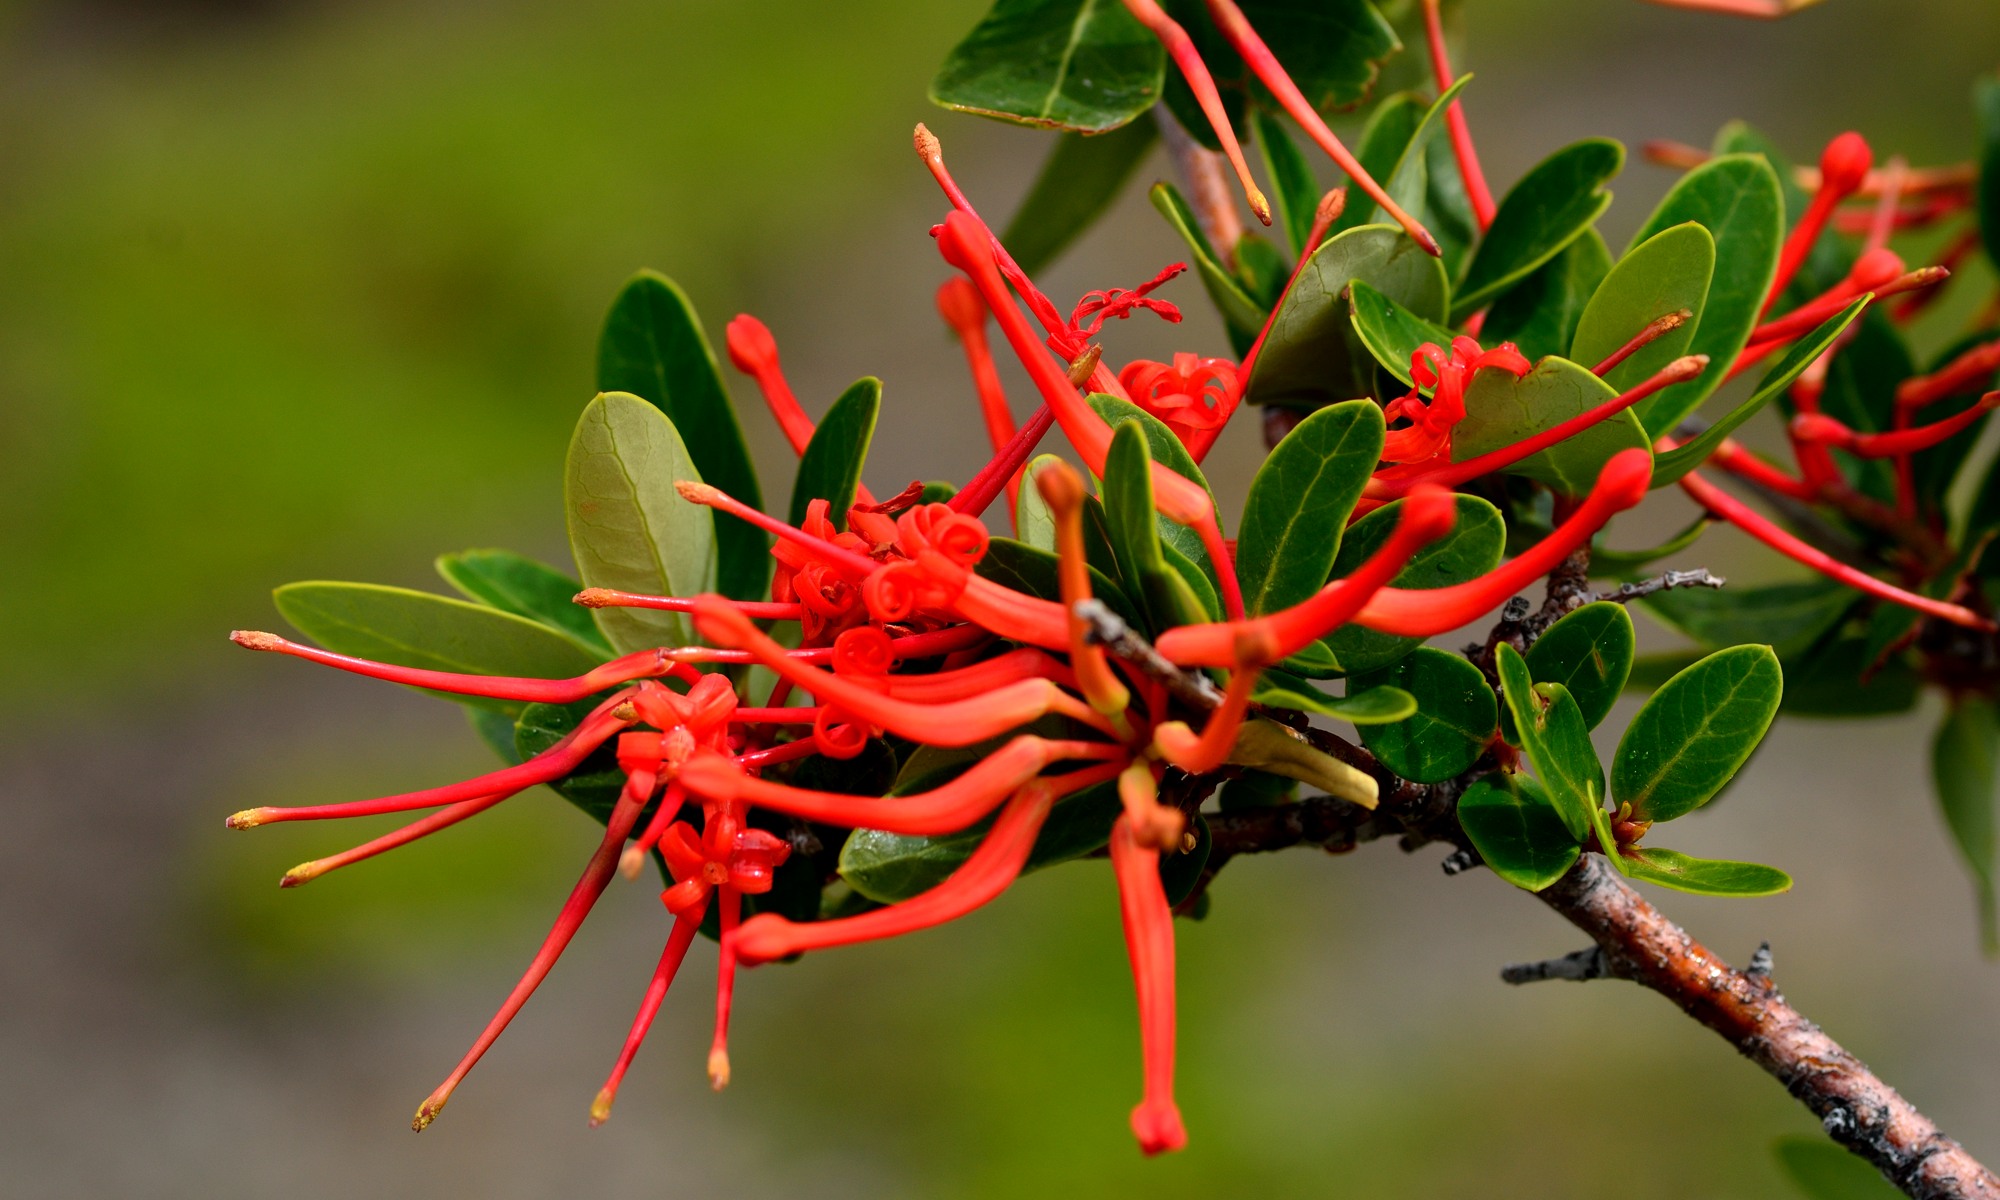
(1079,182)
(1691,735)
(1548,209)
(1737,199)
(1703,876)
(1033,523)
(1313,356)
(1408,182)
(1670,466)
(1299,502)
(517,584)
(1164,447)
(1295,192)
(1083,65)
(1667,273)
(1242,316)
(1314,661)
(1540,314)
(1822,1170)
(1262,269)
(1556,742)
(653,347)
(893,867)
(1986,104)
(1195,596)
(1588,651)
(434,633)
(1501,410)
(1788,617)
(1962,765)
(1517,831)
(1128,505)
(1391,332)
(830,468)
(1471,549)
(1455,718)
(628,528)
(1032,571)
(1373,706)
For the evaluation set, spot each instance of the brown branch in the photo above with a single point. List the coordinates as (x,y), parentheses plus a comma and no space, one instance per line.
(1859,1111)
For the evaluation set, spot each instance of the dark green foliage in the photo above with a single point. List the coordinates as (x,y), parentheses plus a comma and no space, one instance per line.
(1548,209)
(1083,65)
(1454,719)
(1517,831)
(830,469)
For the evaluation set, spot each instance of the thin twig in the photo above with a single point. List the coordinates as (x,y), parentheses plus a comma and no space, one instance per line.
(1580,965)
(1665,581)
(1109,630)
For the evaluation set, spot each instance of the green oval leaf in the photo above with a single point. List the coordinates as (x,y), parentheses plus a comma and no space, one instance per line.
(517,584)
(1517,831)
(1455,718)
(1963,766)
(1540,314)
(1556,741)
(1690,737)
(1737,199)
(1589,652)
(1313,356)
(830,468)
(1078,183)
(1374,706)
(628,528)
(1704,876)
(1383,138)
(653,347)
(1391,332)
(1500,410)
(1547,210)
(1032,571)
(1299,503)
(433,633)
(1472,548)
(1408,182)
(1164,447)
(1084,65)
(1666,273)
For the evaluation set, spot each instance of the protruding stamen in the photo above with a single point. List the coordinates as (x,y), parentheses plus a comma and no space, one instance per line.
(850,563)
(1654,330)
(1965,373)
(1180,47)
(641,664)
(1271,74)
(685,927)
(763,610)
(729,903)
(1255,648)
(306,872)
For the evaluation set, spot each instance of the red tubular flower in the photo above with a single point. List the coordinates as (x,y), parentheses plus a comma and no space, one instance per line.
(1964,373)
(1406,613)
(642,664)
(649,1007)
(1398,481)
(856,566)
(1822,429)
(960,683)
(1427,515)
(631,801)
(1476,189)
(947,808)
(1062,491)
(1149,942)
(1446,375)
(1236,27)
(1185,502)
(1843,167)
(1193,394)
(959,304)
(1737,459)
(1181,49)
(961,723)
(986,874)
(1153,824)
(1178,744)
(1734,511)
(755,353)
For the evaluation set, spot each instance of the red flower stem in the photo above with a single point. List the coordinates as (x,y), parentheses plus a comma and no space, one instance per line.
(858,566)
(1149,943)
(790,751)
(1462,149)
(1425,613)
(1265,66)
(1654,330)
(965,247)
(641,664)
(596,875)
(1181,49)
(916,645)
(755,353)
(729,904)
(1734,511)
(947,808)
(792,715)
(960,723)
(1882,222)
(444,818)
(1962,374)
(1734,458)
(1927,211)
(960,305)
(1385,486)
(685,928)
(995,476)
(1427,515)
(1820,428)
(554,763)
(1843,167)
(763,610)
(986,874)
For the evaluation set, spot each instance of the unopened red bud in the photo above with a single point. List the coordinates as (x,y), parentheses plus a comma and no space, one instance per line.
(1843,166)
(751,346)
(959,304)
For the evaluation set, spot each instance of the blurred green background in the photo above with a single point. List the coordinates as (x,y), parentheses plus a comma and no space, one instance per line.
(310,288)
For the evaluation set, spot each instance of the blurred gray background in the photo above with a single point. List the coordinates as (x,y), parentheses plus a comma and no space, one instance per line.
(304,289)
